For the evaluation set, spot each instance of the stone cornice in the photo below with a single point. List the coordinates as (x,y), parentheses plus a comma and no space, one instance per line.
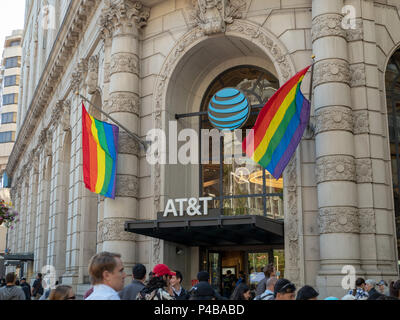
(70,33)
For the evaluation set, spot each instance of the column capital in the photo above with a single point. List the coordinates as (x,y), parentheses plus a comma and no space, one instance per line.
(120,16)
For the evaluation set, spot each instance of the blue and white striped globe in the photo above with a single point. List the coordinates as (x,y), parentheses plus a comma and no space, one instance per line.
(228,109)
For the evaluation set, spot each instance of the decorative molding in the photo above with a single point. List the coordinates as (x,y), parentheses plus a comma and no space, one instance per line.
(114,230)
(79,74)
(356,34)
(327,25)
(107,72)
(57,112)
(127,186)
(124,62)
(156,251)
(367,220)
(66,116)
(93,74)
(127,145)
(212,16)
(123,102)
(332,70)
(338,220)
(361,122)
(331,168)
(364,170)
(358,77)
(333,118)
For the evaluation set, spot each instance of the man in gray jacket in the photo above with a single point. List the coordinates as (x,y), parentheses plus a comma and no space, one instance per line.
(11,291)
(139,276)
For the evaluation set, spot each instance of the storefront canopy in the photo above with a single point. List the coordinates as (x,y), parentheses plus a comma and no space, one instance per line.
(19,257)
(222,230)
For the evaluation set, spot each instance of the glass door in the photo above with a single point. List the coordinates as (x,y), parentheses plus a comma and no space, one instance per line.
(215,269)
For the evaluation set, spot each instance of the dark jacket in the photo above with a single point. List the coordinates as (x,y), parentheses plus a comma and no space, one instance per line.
(262,286)
(131,291)
(37,287)
(373,294)
(27,290)
(204,291)
(12,293)
(184,294)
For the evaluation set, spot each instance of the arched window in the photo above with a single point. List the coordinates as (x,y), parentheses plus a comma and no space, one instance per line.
(392,79)
(241,189)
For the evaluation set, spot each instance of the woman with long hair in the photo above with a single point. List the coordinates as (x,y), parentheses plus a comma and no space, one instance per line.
(241,292)
(62,292)
(158,288)
(395,289)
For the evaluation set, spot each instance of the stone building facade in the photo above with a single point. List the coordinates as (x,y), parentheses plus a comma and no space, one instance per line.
(145,61)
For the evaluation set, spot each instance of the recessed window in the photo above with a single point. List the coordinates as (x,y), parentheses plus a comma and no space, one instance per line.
(15,43)
(8,136)
(9,99)
(12,62)
(10,81)
(9,117)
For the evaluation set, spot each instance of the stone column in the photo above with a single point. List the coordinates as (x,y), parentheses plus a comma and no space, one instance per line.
(335,164)
(123,19)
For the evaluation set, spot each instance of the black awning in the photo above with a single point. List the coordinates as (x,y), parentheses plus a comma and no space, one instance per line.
(19,257)
(222,230)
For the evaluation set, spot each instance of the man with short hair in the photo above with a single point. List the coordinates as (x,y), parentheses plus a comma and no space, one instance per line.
(11,291)
(26,288)
(370,288)
(284,290)
(37,287)
(176,283)
(269,271)
(268,294)
(107,273)
(138,283)
(307,293)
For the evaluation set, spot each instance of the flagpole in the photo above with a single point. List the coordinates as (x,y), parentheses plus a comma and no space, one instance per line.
(310,127)
(145,144)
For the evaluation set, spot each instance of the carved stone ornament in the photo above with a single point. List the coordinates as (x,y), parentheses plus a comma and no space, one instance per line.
(331,168)
(213,15)
(66,116)
(338,220)
(156,251)
(127,186)
(49,141)
(327,25)
(357,33)
(358,77)
(334,118)
(127,145)
(123,102)
(124,62)
(93,74)
(119,16)
(333,70)
(361,122)
(57,112)
(364,170)
(367,220)
(114,230)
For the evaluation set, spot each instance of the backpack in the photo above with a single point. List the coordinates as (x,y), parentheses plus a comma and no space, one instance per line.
(37,287)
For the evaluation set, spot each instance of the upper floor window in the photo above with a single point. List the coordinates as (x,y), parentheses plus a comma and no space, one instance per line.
(8,136)
(10,99)
(9,117)
(13,62)
(15,43)
(10,81)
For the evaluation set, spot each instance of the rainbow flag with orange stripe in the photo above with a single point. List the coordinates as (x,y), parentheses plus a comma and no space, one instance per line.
(100,150)
(279,127)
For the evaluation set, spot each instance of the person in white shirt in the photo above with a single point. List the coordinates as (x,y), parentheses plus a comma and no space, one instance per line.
(107,273)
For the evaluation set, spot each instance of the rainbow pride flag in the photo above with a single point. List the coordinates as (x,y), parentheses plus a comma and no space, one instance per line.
(279,127)
(100,150)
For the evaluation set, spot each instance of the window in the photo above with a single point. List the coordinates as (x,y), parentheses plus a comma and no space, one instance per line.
(245,189)
(9,117)
(15,43)
(10,81)
(12,63)
(8,136)
(9,99)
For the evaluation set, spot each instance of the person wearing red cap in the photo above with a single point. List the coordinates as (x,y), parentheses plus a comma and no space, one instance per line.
(159,287)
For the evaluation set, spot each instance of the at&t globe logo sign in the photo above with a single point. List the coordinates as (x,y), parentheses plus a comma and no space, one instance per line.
(228,109)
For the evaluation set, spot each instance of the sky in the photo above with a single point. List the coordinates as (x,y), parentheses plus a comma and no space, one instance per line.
(12,14)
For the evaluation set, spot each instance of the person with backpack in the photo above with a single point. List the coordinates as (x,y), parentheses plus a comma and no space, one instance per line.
(37,288)
(27,288)
(11,291)
(268,294)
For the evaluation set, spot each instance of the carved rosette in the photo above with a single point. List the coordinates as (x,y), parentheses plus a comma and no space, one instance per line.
(127,145)
(127,186)
(123,102)
(124,62)
(114,230)
(332,168)
(334,118)
(361,122)
(364,170)
(358,77)
(367,221)
(327,25)
(338,220)
(333,70)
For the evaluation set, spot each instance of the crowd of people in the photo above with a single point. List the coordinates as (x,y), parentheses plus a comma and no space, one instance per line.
(107,273)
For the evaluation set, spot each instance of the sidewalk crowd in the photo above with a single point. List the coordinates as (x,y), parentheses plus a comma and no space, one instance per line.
(107,274)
